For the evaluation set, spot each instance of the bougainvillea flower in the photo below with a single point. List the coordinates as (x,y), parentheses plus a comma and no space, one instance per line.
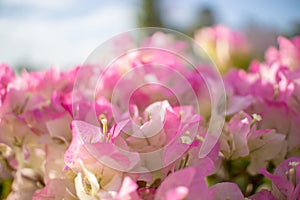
(134,131)
(223,45)
(288,53)
(226,190)
(241,138)
(6,76)
(189,183)
(262,195)
(286,179)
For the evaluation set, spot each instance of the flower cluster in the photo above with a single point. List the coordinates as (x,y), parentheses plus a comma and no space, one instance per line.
(145,127)
(224,46)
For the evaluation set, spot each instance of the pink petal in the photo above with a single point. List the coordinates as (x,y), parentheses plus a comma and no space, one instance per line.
(177,193)
(192,178)
(54,189)
(128,187)
(226,191)
(112,156)
(262,195)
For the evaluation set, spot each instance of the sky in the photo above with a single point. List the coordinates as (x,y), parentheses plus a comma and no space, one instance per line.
(64,33)
(235,13)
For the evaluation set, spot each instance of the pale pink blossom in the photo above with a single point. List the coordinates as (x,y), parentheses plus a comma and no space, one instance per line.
(223,45)
(288,53)
(241,138)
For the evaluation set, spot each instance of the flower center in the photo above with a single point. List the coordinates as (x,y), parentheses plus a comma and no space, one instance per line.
(291,174)
(106,135)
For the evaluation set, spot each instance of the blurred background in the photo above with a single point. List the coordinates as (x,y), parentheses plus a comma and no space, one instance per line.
(37,34)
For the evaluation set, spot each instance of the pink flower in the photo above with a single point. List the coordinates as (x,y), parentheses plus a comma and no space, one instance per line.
(38,82)
(132,131)
(127,190)
(88,187)
(285,121)
(286,179)
(241,138)
(54,189)
(91,146)
(262,195)
(226,190)
(270,90)
(92,154)
(160,132)
(36,132)
(188,183)
(293,98)
(288,53)
(6,76)
(61,189)
(223,45)
(115,150)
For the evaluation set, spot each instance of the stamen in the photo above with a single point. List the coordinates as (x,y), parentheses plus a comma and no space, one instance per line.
(292,173)
(249,189)
(180,115)
(141,120)
(200,138)
(109,136)
(104,124)
(241,115)
(149,116)
(180,166)
(256,118)
(276,92)
(186,160)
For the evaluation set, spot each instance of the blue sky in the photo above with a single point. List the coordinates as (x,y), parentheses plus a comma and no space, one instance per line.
(64,33)
(277,13)
(235,13)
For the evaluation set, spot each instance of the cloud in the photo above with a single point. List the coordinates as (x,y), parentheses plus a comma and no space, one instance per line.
(37,4)
(63,41)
